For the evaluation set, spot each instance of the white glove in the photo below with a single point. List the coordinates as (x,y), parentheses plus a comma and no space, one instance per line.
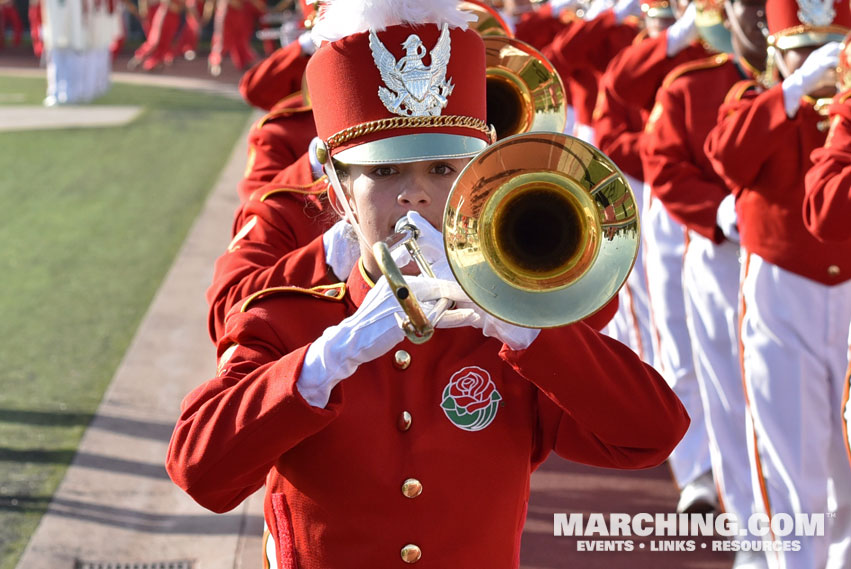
(726,218)
(430,241)
(626,8)
(467,313)
(683,32)
(305,40)
(341,248)
(596,8)
(372,331)
(810,76)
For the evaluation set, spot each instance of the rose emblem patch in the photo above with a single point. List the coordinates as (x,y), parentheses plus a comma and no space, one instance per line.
(470,399)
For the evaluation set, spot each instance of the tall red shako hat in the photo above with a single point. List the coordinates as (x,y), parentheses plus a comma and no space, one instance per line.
(398,81)
(803,23)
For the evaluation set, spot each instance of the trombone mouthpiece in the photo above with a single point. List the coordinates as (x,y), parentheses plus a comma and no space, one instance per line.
(404,225)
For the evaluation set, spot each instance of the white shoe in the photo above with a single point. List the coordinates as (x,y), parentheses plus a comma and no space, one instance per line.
(699,496)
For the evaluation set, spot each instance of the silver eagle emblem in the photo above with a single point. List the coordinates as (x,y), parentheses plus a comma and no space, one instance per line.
(817,13)
(412,88)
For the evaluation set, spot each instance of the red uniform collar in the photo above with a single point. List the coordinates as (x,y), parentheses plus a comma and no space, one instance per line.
(358,284)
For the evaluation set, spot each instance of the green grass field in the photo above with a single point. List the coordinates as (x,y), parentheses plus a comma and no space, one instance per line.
(90,221)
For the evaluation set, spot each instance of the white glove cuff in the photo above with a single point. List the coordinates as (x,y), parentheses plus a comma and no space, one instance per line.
(682,32)
(726,218)
(793,90)
(341,248)
(319,374)
(306,42)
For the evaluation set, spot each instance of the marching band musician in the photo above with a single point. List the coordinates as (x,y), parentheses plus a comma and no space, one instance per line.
(795,290)
(618,132)
(827,202)
(634,79)
(284,232)
(680,175)
(318,385)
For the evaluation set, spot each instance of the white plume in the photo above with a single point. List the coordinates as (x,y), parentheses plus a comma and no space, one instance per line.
(341,18)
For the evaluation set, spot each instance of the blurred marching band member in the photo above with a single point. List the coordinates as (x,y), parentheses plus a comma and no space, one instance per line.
(34,14)
(77,37)
(827,202)
(618,132)
(634,79)
(795,292)
(231,34)
(682,178)
(9,16)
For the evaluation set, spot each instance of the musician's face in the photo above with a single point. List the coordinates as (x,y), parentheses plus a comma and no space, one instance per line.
(380,194)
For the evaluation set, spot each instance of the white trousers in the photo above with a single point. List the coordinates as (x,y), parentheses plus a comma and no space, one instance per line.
(711,281)
(664,248)
(631,323)
(794,351)
(846,401)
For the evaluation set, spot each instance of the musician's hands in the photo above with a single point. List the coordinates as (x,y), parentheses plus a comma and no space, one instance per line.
(430,241)
(810,76)
(683,32)
(372,331)
(727,220)
(466,313)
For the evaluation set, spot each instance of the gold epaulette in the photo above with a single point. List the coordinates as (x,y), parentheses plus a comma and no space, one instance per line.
(691,66)
(842,97)
(738,90)
(316,188)
(335,292)
(640,36)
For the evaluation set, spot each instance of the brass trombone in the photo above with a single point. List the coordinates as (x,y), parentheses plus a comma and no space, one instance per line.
(540,230)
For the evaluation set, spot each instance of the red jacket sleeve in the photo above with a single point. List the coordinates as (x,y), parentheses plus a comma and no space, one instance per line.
(750,130)
(691,196)
(279,245)
(574,392)
(827,206)
(618,130)
(639,73)
(590,44)
(274,143)
(253,395)
(538,28)
(274,78)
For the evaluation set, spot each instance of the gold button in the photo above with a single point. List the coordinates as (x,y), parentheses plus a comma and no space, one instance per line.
(833,271)
(404,422)
(411,553)
(411,488)
(402,359)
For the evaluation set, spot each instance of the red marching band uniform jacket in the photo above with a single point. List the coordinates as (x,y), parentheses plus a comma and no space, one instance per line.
(278,242)
(675,164)
(638,74)
(276,141)
(763,156)
(275,77)
(827,203)
(618,127)
(249,426)
(580,53)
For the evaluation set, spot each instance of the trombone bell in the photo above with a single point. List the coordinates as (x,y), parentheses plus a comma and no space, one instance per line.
(541,230)
(524,91)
